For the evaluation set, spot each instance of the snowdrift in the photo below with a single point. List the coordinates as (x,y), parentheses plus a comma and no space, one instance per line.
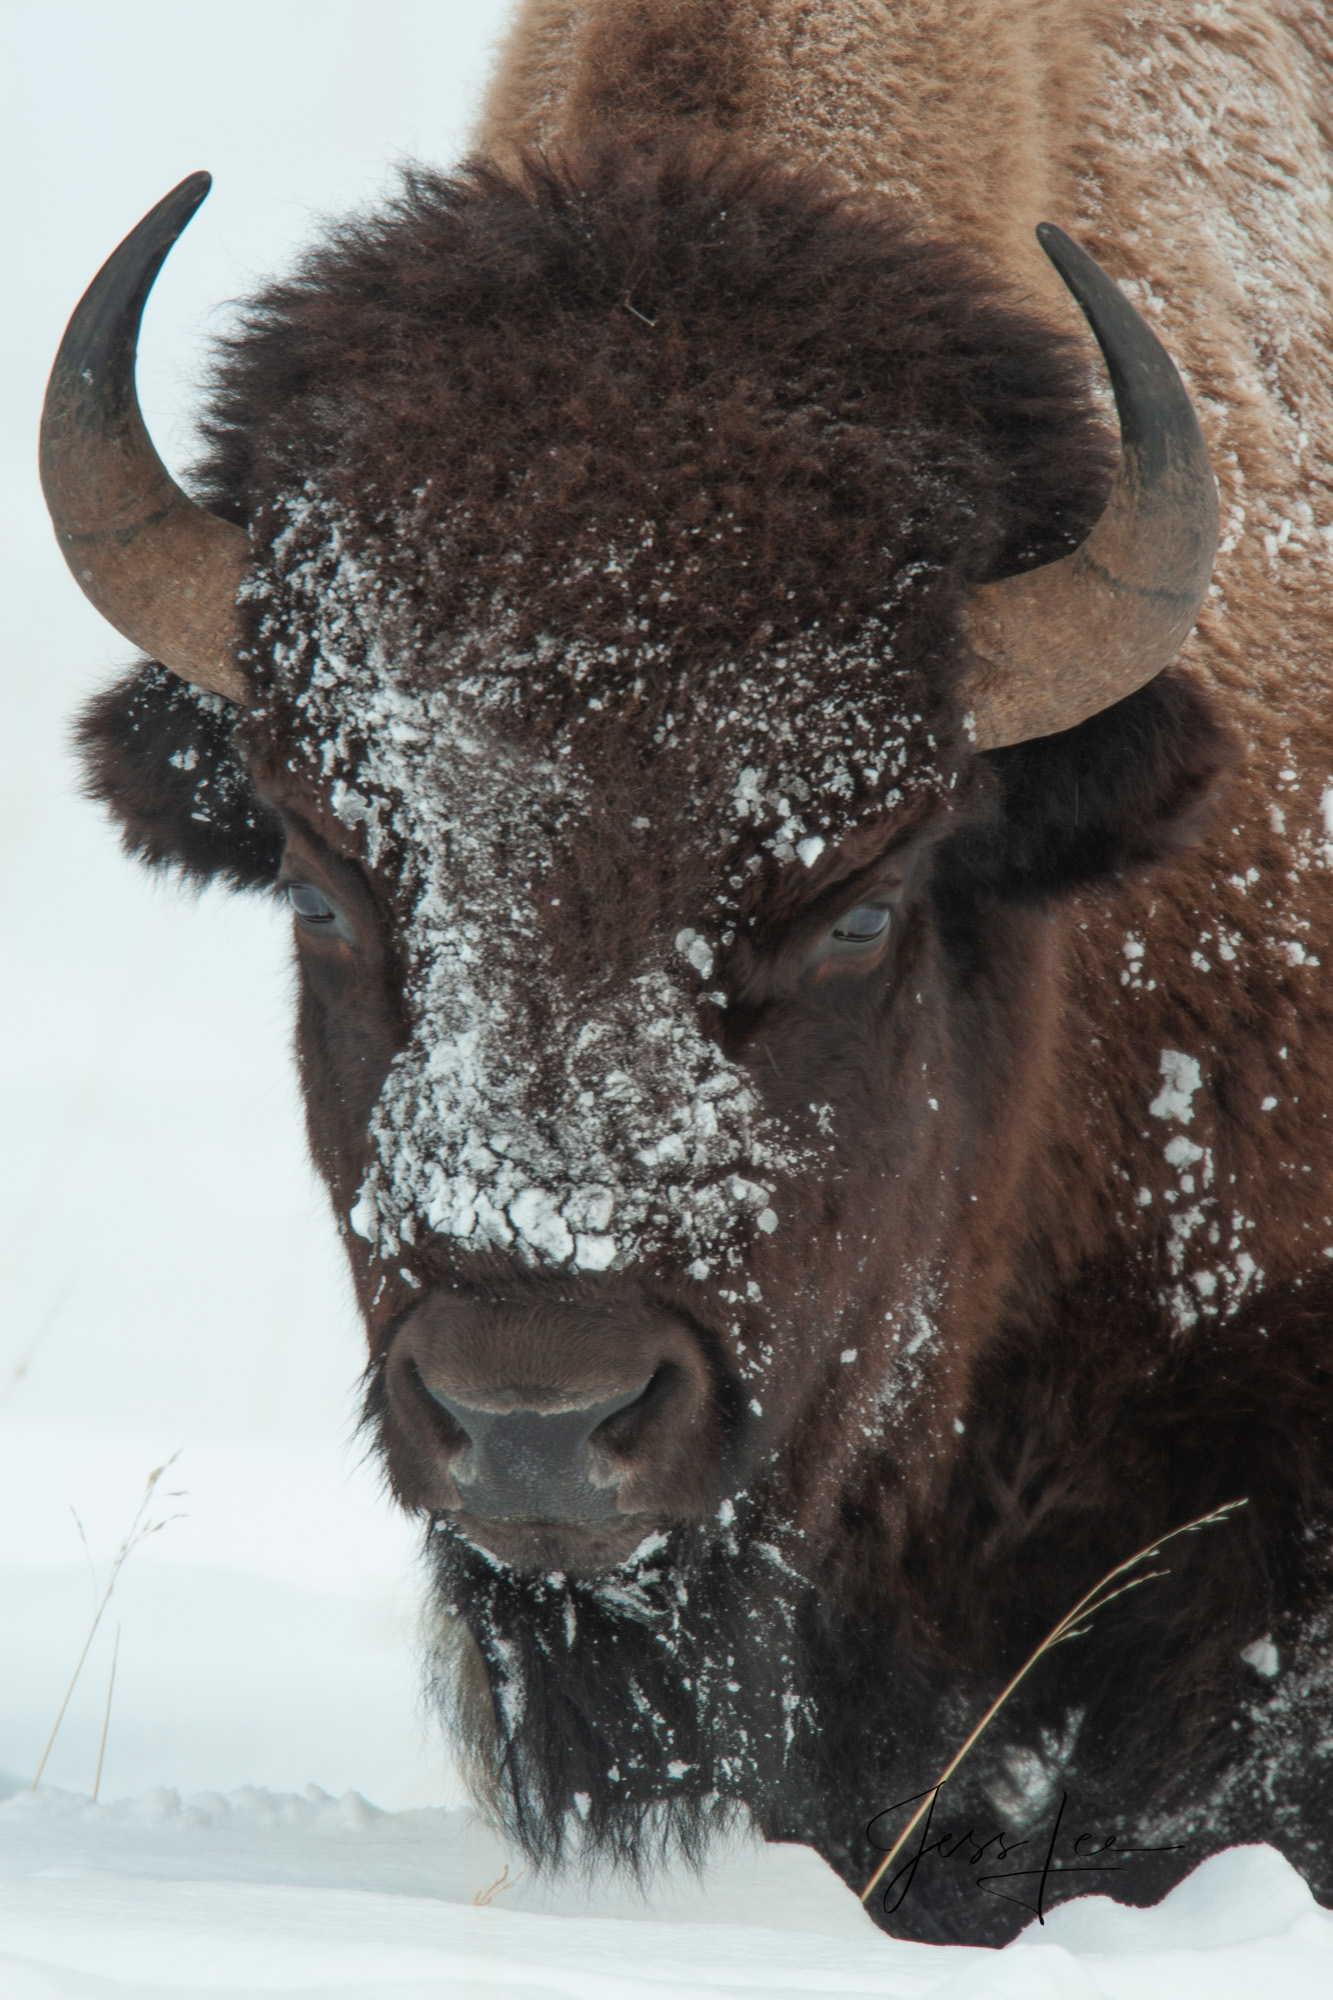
(261,1892)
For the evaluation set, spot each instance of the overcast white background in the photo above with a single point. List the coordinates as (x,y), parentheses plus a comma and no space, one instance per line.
(169,1278)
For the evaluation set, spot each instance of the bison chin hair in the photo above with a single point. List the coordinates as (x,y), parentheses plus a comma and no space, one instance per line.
(629,1717)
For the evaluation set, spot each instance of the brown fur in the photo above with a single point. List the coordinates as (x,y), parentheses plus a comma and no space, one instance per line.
(744,215)
(1169,144)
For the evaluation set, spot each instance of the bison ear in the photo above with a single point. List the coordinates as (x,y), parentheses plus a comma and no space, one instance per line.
(161,754)
(1121,791)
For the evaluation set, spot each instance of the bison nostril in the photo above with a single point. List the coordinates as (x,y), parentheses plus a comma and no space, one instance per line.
(446,1425)
(622,1429)
(524,1462)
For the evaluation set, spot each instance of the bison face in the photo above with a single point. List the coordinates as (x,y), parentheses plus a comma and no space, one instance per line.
(635,552)
(615,1061)
(638,555)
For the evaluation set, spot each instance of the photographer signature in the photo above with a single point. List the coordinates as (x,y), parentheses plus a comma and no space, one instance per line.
(1081,1850)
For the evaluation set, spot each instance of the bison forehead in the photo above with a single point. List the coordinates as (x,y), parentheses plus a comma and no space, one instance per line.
(581,1121)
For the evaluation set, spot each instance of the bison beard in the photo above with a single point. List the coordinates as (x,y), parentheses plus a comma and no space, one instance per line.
(633,1713)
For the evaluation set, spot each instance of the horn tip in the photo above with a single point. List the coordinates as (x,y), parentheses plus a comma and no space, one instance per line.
(187,196)
(1076,267)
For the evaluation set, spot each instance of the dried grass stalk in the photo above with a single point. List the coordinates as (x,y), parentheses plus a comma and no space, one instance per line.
(140,1529)
(1069,1627)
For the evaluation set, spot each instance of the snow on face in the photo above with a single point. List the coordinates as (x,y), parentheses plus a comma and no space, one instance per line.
(574,1132)
(1211,1268)
(1182,1078)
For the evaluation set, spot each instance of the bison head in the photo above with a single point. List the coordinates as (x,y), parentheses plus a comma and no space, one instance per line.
(664,626)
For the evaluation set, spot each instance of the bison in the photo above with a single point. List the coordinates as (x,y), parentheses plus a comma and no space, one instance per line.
(812,1016)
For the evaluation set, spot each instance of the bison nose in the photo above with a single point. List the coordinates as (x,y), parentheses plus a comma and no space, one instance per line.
(596,1417)
(532,1464)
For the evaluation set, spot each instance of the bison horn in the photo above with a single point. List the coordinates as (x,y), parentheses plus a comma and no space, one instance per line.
(1056,645)
(158,565)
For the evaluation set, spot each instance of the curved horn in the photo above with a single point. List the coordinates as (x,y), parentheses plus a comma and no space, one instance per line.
(1058,644)
(158,565)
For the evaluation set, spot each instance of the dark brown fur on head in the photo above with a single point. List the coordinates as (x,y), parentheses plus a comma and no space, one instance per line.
(690,340)
(686,338)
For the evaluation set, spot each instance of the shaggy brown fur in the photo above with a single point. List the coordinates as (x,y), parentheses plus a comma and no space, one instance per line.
(1092,1098)
(685,338)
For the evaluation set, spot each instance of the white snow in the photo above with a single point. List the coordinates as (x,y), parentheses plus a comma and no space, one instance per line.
(516,1101)
(1181,1078)
(637,1124)
(1262,1655)
(264,1892)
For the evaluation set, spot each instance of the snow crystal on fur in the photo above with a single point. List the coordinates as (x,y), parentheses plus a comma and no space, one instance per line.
(576,1129)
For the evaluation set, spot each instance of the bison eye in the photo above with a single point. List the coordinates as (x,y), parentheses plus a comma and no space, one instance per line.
(315,913)
(865,925)
(857,936)
(310,905)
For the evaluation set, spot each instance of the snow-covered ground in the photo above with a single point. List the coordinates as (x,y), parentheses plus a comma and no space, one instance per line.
(170,1280)
(264,1892)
